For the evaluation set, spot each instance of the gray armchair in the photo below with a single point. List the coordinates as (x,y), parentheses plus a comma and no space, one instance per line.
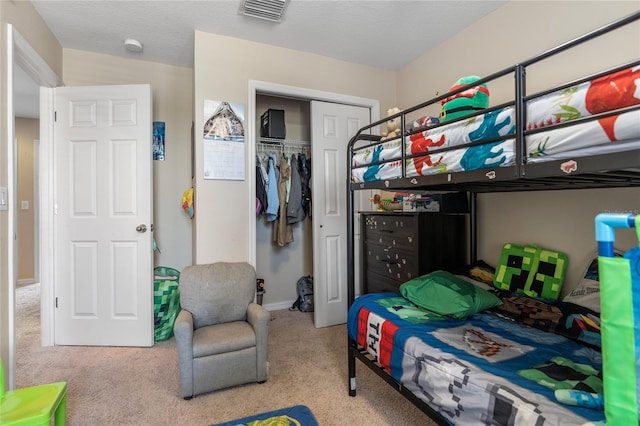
(220,333)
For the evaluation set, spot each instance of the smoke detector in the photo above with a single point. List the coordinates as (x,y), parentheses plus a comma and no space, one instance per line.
(270,10)
(133,45)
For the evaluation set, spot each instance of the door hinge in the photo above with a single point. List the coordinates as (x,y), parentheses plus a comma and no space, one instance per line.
(56,302)
(55,116)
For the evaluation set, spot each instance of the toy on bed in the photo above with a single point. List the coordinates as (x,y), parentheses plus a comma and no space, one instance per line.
(529,279)
(466,102)
(393,129)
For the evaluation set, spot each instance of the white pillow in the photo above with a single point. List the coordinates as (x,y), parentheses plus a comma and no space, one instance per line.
(587,294)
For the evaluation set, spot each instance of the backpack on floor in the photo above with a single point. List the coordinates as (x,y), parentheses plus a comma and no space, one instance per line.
(304,302)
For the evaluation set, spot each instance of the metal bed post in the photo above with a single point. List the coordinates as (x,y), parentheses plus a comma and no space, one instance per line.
(351,360)
(473,227)
(520,112)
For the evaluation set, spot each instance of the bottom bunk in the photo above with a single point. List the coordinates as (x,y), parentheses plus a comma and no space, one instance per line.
(471,362)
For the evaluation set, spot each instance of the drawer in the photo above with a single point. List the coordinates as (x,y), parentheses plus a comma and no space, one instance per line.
(397,224)
(401,265)
(378,283)
(401,239)
(392,230)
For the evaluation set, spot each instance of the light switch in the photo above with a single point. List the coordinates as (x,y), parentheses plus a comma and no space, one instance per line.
(24,205)
(4,199)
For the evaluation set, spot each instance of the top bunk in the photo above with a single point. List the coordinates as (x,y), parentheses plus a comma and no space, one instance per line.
(584,133)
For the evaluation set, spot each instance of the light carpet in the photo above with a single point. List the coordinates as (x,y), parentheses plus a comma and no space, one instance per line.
(140,386)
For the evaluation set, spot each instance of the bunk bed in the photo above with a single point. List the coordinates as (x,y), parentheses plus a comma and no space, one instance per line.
(570,136)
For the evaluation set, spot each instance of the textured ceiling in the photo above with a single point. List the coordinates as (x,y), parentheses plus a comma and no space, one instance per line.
(383,34)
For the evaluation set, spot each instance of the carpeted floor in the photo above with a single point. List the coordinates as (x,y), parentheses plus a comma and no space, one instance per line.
(140,386)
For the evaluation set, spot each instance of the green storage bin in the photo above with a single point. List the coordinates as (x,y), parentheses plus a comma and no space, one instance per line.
(166,301)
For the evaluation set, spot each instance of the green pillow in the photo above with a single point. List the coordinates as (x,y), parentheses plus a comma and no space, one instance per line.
(446,294)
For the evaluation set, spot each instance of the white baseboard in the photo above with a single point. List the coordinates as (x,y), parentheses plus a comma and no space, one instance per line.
(26,281)
(285,304)
(279,305)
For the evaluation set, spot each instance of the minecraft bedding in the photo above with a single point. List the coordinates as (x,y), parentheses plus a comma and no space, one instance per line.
(614,91)
(482,370)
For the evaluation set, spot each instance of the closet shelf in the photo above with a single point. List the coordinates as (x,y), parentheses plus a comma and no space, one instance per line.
(284,142)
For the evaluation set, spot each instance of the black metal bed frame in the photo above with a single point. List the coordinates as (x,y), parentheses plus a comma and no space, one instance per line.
(620,169)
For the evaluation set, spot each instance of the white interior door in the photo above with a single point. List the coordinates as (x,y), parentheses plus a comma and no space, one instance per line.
(332,127)
(103,265)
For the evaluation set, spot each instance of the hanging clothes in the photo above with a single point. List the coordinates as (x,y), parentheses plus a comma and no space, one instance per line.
(305,175)
(261,187)
(295,211)
(282,231)
(288,180)
(273,202)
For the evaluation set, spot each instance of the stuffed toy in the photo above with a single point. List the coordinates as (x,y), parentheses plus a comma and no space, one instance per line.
(465,102)
(393,126)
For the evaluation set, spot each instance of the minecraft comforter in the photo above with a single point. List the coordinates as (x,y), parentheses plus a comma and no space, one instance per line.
(483,370)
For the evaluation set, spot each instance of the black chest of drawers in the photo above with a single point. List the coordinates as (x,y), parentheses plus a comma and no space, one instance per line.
(399,246)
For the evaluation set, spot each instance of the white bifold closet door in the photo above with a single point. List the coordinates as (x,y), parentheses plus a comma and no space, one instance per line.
(332,126)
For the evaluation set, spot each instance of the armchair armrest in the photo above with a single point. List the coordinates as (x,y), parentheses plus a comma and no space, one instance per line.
(183,331)
(259,319)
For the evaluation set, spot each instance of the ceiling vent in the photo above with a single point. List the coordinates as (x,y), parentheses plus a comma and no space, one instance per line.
(270,10)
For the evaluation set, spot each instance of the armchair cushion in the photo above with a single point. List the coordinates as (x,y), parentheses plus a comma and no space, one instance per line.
(229,337)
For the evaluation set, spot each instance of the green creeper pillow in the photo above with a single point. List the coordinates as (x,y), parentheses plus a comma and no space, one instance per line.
(446,294)
(531,270)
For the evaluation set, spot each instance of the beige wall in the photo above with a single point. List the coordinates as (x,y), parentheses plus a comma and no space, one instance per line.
(514,33)
(223,68)
(561,220)
(27,132)
(25,20)
(172,103)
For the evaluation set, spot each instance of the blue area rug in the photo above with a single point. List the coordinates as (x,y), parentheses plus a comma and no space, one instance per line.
(296,415)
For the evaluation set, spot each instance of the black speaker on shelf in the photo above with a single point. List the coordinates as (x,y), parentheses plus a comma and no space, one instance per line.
(272,124)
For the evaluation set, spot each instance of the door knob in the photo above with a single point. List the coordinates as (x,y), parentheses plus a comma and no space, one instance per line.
(141,228)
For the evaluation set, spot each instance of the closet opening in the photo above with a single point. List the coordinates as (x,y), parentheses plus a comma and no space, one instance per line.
(284,234)
(322,122)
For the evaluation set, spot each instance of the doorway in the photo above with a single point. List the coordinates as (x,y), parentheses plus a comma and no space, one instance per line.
(22,57)
(28,241)
(260,89)
(280,266)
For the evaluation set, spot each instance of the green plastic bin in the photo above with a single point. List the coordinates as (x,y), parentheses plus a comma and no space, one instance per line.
(166,301)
